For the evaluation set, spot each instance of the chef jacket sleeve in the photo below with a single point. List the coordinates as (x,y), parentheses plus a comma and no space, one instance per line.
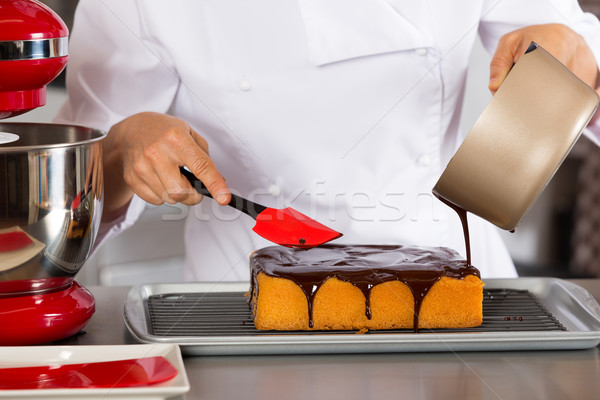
(500,17)
(115,70)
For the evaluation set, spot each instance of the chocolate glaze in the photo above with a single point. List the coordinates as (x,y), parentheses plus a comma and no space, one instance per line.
(364,266)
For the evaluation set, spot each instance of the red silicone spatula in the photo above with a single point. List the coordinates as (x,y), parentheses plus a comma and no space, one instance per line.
(106,374)
(286,227)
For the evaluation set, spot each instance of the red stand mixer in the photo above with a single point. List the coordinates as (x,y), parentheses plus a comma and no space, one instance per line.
(50,186)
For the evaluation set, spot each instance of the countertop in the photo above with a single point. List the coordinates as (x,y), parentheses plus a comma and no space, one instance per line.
(568,374)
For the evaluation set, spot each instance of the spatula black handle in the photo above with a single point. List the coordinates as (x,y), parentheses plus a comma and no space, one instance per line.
(237,202)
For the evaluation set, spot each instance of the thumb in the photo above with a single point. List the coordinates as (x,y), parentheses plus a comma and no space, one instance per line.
(502,61)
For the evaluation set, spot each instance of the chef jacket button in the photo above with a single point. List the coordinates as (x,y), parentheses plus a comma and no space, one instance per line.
(424,160)
(244,85)
(274,190)
(421,51)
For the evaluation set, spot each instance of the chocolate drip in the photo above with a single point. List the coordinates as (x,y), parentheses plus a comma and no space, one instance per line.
(364,266)
(462,214)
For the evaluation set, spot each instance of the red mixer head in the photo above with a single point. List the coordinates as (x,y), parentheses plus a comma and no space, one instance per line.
(33,51)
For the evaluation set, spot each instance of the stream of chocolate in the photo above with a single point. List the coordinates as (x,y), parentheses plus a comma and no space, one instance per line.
(462,214)
(364,266)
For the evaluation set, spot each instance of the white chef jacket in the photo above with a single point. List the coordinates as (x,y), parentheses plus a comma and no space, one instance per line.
(346,110)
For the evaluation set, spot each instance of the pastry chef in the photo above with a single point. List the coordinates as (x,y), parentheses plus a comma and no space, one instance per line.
(346,110)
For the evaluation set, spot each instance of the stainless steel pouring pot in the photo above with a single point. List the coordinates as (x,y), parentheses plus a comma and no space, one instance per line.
(50,204)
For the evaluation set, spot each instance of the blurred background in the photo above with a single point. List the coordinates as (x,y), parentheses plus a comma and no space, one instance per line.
(559,236)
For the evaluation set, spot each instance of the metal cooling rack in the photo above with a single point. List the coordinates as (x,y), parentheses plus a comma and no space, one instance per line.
(228,314)
(214,319)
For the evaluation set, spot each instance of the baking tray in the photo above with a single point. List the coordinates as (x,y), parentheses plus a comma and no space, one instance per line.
(573,312)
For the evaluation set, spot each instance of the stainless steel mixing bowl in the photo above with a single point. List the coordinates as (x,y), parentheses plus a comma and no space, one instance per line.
(50,204)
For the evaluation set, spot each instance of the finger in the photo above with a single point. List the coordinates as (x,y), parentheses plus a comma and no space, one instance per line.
(504,58)
(167,162)
(148,194)
(177,188)
(201,165)
(206,170)
(144,182)
(200,141)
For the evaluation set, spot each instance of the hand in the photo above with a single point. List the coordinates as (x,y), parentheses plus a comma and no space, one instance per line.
(559,40)
(142,155)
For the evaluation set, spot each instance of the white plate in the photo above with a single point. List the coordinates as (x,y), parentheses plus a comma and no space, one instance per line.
(43,355)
